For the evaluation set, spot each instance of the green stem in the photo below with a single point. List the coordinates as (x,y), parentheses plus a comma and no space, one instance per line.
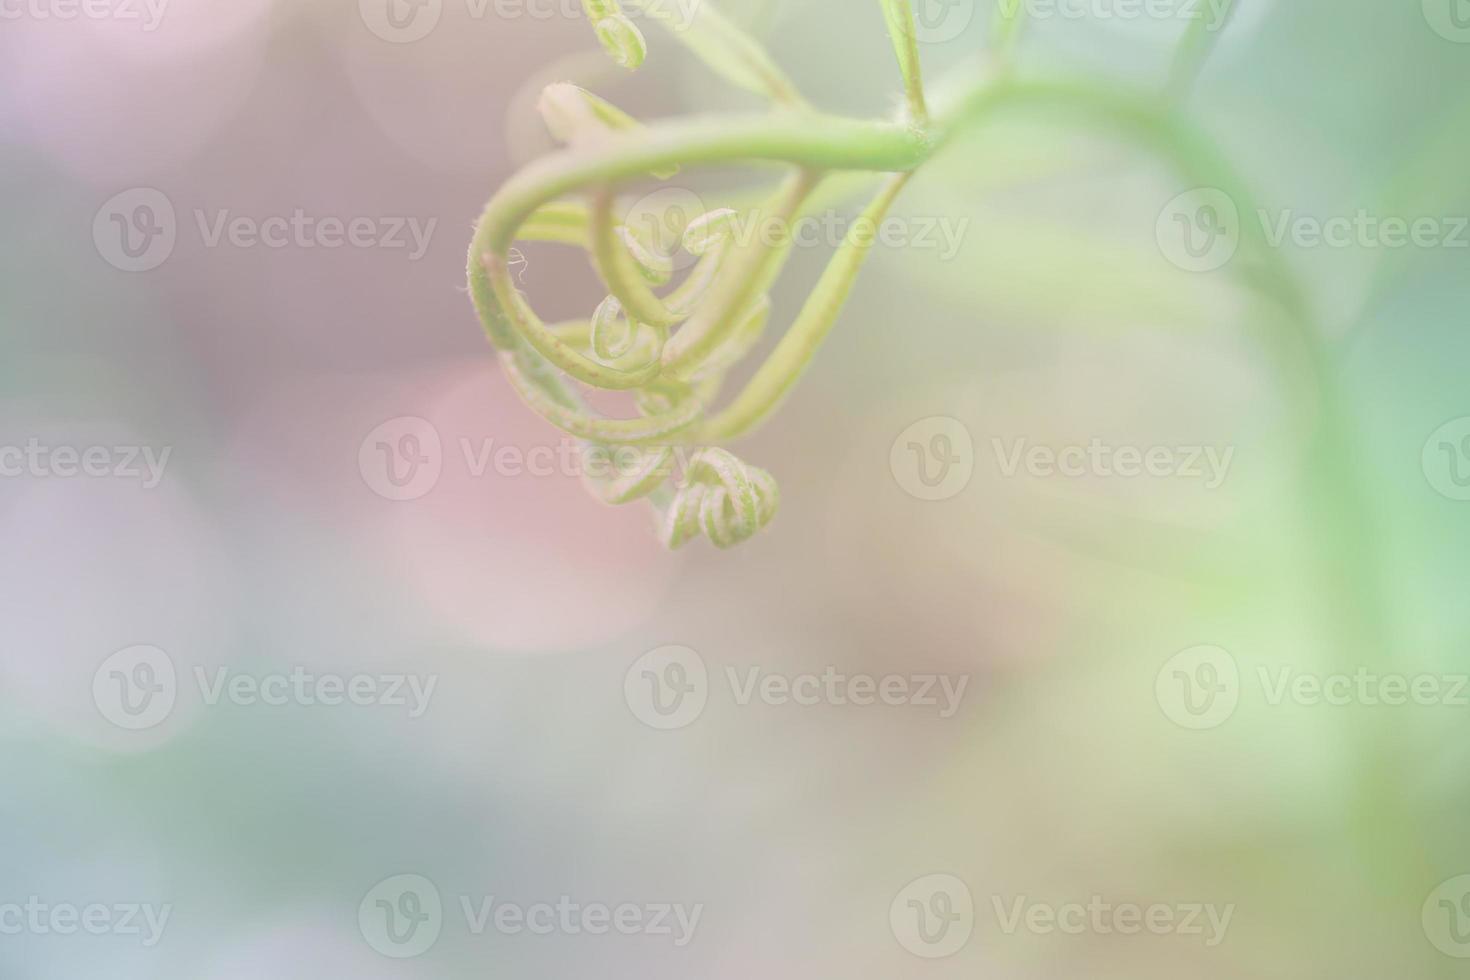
(793,355)
(724,47)
(1007,27)
(900,17)
(617,269)
(1334,498)
(1199,39)
(741,281)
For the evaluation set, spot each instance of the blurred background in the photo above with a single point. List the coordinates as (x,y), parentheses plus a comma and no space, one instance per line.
(317,655)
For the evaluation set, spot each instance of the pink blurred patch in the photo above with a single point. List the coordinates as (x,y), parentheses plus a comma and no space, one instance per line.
(498,554)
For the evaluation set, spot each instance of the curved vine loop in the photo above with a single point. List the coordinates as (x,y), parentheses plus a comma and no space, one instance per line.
(671,345)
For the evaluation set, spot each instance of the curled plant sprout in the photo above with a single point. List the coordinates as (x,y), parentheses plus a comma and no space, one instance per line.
(670,344)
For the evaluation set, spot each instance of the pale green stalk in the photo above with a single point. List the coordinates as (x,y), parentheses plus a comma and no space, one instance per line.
(1200,38)
(1007,26)
(793,355)
(900,17)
